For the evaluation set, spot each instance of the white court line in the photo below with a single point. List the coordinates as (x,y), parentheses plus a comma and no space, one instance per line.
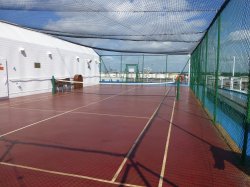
(111,115)
(90,113)
(25,101)
(166,148)
(137,140)
(14,103)
(67,174)
(55,116)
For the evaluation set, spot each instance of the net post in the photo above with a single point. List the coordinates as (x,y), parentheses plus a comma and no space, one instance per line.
(217,72)
(247,120)
(178,88)
(53,81)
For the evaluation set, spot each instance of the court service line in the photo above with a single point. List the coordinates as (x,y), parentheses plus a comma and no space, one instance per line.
(90,113)
(26,101)
(138,138)
(42,98)
(166,148)
(67,174)
(55,116)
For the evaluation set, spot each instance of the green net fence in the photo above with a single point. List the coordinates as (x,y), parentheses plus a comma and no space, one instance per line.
(220,74)
(143,68)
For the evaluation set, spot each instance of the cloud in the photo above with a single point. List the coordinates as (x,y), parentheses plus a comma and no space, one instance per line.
(239,35)
(122,18)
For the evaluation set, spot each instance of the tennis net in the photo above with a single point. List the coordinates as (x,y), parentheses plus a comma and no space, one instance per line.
(123,89)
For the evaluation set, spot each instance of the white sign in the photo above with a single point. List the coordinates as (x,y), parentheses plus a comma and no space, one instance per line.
(131,70)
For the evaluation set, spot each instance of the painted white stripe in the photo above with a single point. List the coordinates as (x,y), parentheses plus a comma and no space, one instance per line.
(55,116)
(166,148)
(67,174)
(90,113)
(25,101)
(137,140)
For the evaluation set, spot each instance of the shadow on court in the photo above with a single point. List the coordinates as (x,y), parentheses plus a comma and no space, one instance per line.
(137,166)
(220,155)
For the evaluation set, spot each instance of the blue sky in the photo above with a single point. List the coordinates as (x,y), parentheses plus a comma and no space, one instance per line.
(29,18)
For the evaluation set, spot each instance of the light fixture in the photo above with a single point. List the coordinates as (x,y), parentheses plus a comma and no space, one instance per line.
(49,54)
(97,61)
(22,51)
(89,62)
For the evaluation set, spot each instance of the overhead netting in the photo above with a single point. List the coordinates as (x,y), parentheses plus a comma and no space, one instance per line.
(159,26)
(220,72)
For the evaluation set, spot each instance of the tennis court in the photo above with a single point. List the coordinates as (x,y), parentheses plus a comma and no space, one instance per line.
(113,135)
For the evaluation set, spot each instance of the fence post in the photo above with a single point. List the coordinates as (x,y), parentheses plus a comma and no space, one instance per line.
(178,88)
(198,71)
(100,68)
(143,68)
(121,73)
(166,73)
(205,73)
(247,120)
(217,72)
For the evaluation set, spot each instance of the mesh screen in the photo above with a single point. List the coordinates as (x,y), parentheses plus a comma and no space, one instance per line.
(143,68)
(160,26)
(221,84)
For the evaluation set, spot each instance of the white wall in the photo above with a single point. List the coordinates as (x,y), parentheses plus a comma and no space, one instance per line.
(24,79)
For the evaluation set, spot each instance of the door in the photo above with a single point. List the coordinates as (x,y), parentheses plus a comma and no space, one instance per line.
(4,92)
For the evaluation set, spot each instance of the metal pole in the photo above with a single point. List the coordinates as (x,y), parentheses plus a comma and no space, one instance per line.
(143,68)
(189,68)
(166,68)
(247,120)
(178,88)
(205,73)
(233,65)
(121,69)
(217,72)
(100,68)
(198,71)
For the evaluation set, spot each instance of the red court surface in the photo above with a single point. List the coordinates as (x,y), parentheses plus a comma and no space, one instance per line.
(111,135)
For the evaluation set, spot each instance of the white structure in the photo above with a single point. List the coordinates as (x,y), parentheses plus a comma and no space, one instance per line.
(28,60)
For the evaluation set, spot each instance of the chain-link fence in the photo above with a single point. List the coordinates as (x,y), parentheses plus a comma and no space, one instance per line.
(220,73)
(143,68)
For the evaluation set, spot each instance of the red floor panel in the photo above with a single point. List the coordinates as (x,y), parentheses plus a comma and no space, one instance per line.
(12,119)
(126,105)
(144,165)
(76,143)
(196,149)
(16,177)
(95,145)
(61,103)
